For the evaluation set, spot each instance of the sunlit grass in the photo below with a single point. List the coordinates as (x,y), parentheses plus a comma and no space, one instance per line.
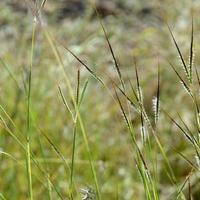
(88,110)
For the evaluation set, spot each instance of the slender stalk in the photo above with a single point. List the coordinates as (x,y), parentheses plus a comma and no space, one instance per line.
(74,136)
(82,127)
(29,173)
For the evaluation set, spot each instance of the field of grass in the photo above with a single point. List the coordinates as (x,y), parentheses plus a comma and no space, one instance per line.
(99,104)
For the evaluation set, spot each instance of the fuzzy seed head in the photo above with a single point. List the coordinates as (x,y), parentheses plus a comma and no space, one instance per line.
(88,194)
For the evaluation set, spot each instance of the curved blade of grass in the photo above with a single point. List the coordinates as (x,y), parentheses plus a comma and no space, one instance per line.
(184,84)
(2,197)
(22,165)
(130,130)
(110,47)
(80,61)
(180,192)
(180,54)
(187,160)
(67,167)
(125,95)
(5,126)
(147,120)
(142,110)
(144,171)
(83,92)
(191,52)
(86,66)
(46,167)
(65,102)
(144,180)
(182,130)
(58,57)
(187,128)
(4,64)
(149,185)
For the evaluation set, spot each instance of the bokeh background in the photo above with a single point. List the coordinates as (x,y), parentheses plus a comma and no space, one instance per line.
(137,30)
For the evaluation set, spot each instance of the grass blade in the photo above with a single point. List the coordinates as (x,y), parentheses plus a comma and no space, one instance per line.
(191,51)
(82,127)
(157,99)
(74,135)
(180,54)
(28,117)
(182,130)
(110,48)
(2,197)
(184,84)
(80,61)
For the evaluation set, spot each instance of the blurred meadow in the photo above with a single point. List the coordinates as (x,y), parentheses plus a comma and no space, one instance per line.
(99,100)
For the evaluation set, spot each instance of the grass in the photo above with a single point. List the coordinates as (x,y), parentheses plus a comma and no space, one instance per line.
(90,112)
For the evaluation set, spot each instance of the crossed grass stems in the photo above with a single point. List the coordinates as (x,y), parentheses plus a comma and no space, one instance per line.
(136,104)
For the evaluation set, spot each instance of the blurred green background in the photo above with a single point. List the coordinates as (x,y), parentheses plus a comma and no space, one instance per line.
(136,29)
